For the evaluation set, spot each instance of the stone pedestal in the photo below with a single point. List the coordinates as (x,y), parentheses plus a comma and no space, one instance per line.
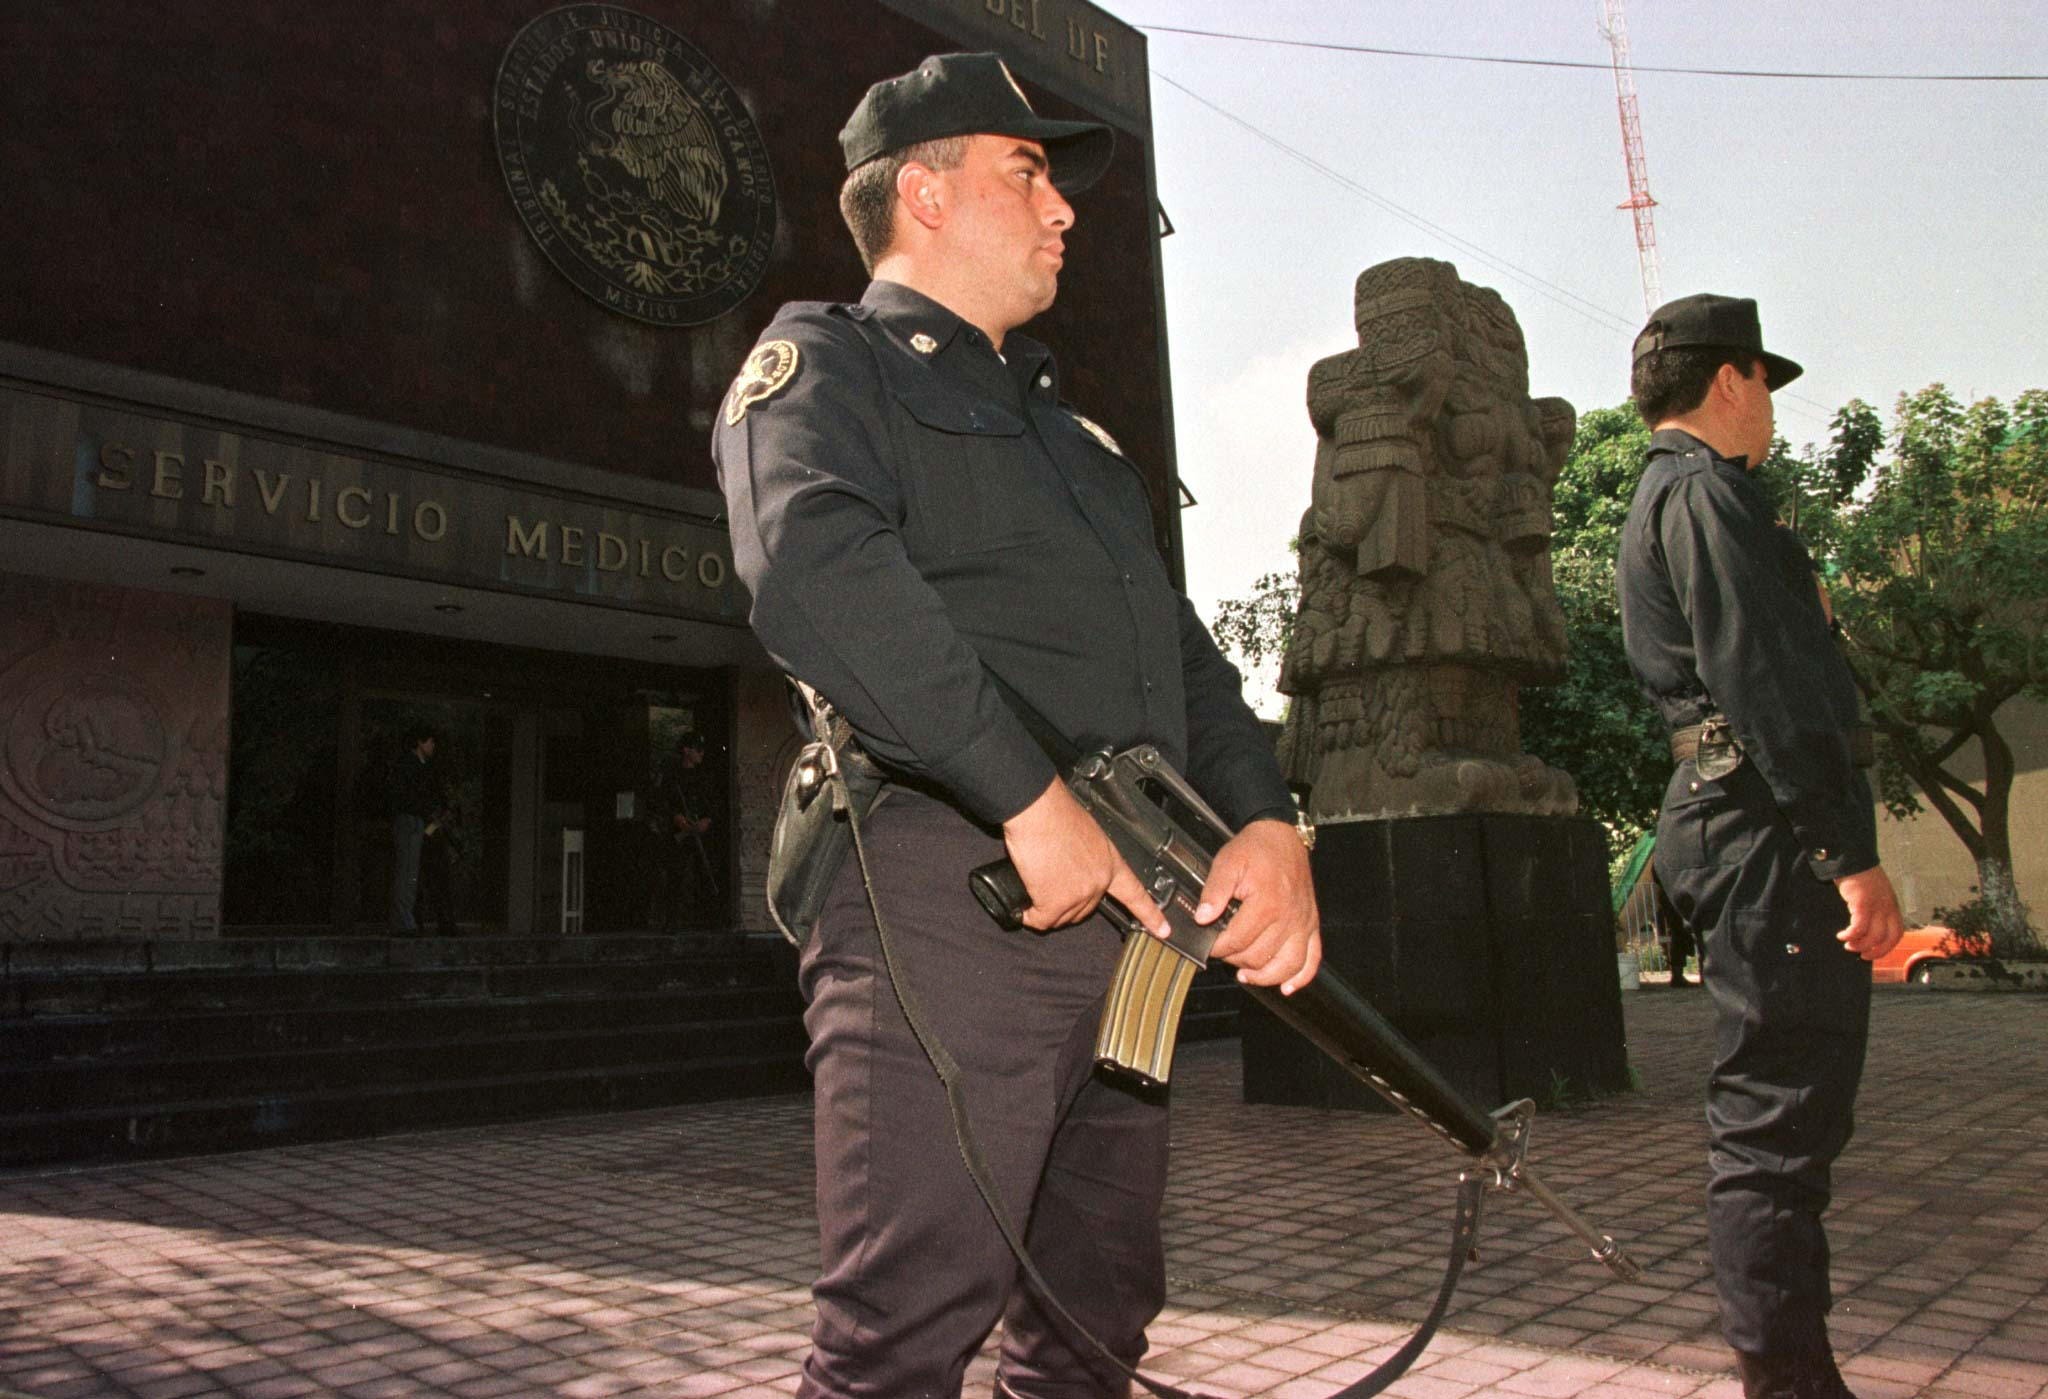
(1487,939)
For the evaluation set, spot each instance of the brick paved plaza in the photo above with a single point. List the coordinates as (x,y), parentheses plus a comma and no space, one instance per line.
(668,1252)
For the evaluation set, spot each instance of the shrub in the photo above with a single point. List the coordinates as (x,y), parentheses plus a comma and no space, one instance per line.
(1976,920)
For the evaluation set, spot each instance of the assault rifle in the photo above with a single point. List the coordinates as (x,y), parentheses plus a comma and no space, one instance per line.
(1169,836)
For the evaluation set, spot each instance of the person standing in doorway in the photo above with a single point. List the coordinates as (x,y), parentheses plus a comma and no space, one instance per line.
(438,852)
(411,793)
(686,825)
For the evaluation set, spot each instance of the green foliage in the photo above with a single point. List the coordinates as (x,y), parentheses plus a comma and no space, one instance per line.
(1595,723)
(2009,941)
(1256,628)
(1564,1094)
(1941,588)
(1593,491)
(1810,490)
(1946,564)
(1561,1095)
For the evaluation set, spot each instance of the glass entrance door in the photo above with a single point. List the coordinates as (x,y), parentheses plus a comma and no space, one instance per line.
(529,746)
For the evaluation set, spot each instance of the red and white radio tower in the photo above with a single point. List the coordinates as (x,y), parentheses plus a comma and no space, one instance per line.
(1614,28)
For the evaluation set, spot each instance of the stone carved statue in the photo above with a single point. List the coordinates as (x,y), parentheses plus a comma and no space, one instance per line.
(1426,593)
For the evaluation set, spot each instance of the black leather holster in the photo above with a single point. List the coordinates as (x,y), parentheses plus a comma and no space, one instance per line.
(813,835)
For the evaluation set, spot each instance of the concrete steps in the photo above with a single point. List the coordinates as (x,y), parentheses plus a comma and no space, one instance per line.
(117,1051)
(123,1050)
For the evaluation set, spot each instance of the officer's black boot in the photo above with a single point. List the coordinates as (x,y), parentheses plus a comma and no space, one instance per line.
(1770,1376)
(1820,1379)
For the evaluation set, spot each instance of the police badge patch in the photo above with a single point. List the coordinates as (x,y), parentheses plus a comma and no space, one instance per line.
(771,366)
(1096,431)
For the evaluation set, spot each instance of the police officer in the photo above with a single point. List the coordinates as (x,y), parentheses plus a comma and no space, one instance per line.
(914,507)
(1767,843)
(413,796)
(685,829)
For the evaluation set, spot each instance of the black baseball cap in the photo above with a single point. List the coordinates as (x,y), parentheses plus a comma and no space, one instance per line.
(1707,319)
(966,94)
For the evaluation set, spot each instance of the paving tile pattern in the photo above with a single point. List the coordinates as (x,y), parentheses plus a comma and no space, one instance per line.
(668,1253)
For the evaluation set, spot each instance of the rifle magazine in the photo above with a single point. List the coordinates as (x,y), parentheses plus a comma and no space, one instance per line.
(1141,1017)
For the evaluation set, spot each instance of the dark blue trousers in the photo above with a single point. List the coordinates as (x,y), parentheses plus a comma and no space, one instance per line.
(1792,1015)
(914,1272)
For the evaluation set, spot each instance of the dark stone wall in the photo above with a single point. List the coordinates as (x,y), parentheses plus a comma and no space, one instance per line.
(1487,939)
(113,761)
(304,202)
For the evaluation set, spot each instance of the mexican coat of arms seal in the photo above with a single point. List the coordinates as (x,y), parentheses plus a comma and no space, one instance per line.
(634,164)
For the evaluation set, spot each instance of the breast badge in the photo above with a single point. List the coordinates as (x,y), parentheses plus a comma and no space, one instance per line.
(771,366)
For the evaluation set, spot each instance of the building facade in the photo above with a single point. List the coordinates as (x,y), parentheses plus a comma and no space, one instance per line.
(357,369)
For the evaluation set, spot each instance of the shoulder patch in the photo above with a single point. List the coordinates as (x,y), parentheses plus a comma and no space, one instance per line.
(1096,431)
(767,370)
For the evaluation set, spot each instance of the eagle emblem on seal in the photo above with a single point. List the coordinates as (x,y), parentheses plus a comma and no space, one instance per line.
(771,366)
(647,121)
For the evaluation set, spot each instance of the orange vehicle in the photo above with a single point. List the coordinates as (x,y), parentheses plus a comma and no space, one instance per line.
(1924,948)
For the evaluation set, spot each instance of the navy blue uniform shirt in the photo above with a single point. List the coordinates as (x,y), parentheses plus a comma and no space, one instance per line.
(1720,611)
(907,506)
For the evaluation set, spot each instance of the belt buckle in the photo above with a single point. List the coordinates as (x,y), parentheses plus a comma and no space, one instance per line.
(1719,754)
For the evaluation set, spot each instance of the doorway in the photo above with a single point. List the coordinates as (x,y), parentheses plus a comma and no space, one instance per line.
(464,860)
(544,764)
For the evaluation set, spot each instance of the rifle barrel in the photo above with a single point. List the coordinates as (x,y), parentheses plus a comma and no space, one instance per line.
(1332,1015)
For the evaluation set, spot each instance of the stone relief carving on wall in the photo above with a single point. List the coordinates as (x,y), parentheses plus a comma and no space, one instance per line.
(113,761)
(1426,592)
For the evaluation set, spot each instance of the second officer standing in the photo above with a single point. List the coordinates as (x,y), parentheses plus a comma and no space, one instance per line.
(1767,843)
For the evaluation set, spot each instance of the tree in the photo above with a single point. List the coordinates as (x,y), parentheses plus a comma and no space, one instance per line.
(1941,587)
(1595,723)
(1256,628)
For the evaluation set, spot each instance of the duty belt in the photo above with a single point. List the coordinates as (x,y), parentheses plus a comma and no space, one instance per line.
(1685,742)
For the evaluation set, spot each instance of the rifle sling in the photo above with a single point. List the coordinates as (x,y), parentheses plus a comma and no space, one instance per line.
(948,1070)
(1464,1228)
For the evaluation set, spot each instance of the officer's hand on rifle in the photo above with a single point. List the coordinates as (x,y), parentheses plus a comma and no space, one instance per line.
(1067,864)
(1875,924)
(1275,937)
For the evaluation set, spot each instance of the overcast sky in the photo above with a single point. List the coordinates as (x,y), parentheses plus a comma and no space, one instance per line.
(1891,231)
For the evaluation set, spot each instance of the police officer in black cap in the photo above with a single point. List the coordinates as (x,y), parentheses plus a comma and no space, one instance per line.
(1767,843)
(913,508)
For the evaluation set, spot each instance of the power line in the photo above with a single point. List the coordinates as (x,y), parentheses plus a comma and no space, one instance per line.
(1602,67)
(1564,296)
